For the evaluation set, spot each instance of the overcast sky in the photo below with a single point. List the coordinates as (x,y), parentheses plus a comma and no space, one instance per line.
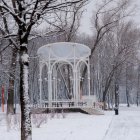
(86,20)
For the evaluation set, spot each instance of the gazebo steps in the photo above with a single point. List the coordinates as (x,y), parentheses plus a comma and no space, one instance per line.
(91,111)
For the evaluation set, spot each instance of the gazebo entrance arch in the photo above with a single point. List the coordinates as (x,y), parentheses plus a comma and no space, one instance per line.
(62,79)
(70,57)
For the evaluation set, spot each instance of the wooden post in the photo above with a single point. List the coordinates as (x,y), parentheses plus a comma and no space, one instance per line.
(2,98)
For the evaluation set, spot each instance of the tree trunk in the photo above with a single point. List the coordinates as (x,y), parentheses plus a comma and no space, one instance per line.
(127,88)
(10,101)
(24,94)
(127,98)
(116,95)
(138,87)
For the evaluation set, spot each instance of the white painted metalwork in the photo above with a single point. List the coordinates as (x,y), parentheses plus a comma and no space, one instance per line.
(73,54)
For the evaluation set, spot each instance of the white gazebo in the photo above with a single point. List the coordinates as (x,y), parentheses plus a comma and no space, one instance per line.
(53,56)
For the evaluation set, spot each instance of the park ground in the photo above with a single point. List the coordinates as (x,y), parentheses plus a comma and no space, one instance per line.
(77,126)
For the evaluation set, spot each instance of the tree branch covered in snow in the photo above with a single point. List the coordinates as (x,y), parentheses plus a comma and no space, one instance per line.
(25,16)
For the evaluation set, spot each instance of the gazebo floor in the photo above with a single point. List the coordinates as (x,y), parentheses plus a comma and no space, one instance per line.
(86,110)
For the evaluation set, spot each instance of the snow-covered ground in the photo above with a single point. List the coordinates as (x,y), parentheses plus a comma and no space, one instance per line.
(77,126)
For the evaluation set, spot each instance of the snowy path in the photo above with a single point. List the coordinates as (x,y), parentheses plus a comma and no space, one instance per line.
(77,126)
(125,126)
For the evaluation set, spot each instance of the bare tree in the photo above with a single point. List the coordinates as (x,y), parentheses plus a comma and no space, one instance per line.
(138,87)
(26,15)
(105,19)
(6,30)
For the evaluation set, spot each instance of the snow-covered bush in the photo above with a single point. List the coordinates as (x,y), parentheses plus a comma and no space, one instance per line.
(13,122)
(39,119)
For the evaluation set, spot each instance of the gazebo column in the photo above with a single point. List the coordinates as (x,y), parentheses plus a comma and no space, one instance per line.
(88,78)
(75,78)
(49,79)
(88,84)
(54,84)
(74,84)
(40,82)
(50,88)
(79,80)
(76,88)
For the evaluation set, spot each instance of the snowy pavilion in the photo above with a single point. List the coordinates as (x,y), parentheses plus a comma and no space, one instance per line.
(76,56)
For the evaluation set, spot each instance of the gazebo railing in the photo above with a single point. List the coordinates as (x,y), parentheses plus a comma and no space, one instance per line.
(65,104)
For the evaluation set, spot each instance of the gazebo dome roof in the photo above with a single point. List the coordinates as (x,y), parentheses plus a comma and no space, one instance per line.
(63,50)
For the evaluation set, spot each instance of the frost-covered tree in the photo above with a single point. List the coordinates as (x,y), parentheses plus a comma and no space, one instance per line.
(27,15)
(106,18)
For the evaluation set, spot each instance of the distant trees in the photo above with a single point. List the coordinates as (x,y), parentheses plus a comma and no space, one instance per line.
(138,86)
(115,39)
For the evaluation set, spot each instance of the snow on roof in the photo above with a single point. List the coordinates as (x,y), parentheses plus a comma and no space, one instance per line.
(63,50)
